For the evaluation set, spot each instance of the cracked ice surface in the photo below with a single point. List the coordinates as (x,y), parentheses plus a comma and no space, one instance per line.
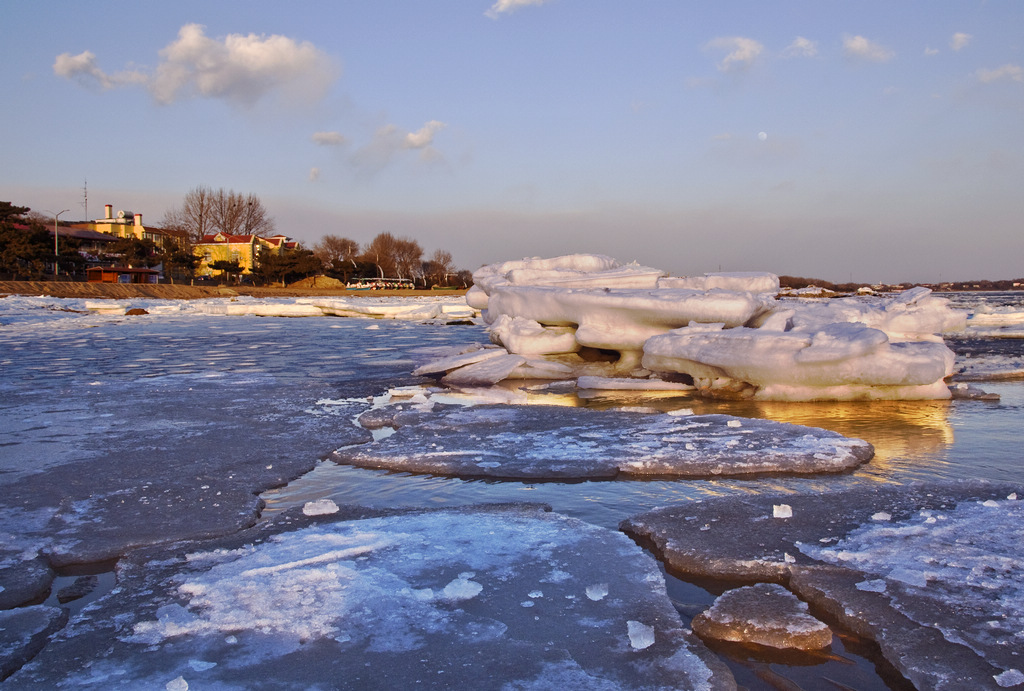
(544,442)
(932,573)
(431,599)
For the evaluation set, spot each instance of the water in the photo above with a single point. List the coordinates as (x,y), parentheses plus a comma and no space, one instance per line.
(74,386)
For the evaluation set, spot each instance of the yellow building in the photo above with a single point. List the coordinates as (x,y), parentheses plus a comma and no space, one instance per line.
(129,225)
(246,250)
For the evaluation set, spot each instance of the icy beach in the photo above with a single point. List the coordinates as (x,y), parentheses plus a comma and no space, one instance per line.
(209,450)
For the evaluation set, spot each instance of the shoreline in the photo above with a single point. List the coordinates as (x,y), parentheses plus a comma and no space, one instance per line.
(163,291)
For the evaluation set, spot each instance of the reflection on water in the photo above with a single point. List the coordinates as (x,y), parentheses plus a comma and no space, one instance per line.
(914,441)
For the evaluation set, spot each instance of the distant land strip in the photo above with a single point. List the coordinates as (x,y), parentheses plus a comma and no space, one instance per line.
(128,291)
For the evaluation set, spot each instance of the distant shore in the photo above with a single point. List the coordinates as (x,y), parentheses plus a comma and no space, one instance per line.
(128,291)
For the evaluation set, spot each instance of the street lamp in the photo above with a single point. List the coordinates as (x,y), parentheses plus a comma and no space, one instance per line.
(56,253)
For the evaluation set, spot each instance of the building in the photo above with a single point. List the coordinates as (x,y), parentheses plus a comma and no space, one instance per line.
(245,250)
(129,225)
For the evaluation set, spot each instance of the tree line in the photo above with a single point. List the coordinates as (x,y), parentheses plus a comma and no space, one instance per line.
(26,247)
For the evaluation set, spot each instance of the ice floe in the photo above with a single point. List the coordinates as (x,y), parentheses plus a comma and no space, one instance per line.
(929,572)
(727,332)
(763,614)
(407,600)
(543,442)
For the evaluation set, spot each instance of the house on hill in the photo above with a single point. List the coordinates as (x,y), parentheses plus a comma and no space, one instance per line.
(245,250)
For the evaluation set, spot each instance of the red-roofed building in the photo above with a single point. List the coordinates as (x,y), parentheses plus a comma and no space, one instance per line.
(243,249)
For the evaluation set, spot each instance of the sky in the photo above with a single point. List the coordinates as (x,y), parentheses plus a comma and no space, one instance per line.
(866,141)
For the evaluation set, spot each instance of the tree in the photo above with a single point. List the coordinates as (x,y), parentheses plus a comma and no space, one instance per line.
(205,211)
(194,216)
(408,258)
(338,256)
(227,268)
(25,246)
(136,252)
(437,269)
(381,253)
(287,266)
(180,261)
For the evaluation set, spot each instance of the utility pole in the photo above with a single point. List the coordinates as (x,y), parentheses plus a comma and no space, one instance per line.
(56,252)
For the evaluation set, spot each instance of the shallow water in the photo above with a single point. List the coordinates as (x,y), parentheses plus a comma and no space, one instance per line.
(72,382)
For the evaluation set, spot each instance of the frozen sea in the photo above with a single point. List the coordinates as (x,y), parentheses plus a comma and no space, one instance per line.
(122,431)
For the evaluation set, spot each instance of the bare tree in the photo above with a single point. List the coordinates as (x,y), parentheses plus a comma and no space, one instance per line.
(194,216)
(408,258)
(381,253)
(204,211)
(437,269)
(337,251)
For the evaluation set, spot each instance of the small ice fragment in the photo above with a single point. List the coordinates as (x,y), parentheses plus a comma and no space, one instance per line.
(681,412)
(178,684)
(526,603)
(881,516)
(1012,497)
(270,466)
(734,423)
(909,576)
(230,640)
(1010,677)
(782,511)
(597,592)
(201,665)
(461,589)
(536,593)
(320,507)
(788,558)
(873,586)
(640,635)
(991,503)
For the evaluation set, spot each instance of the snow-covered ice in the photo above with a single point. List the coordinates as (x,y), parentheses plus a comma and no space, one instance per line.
(423,599)
(728,332)
(542,442)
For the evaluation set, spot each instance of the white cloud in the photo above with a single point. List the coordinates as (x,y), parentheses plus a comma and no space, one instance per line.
(960,40)
(390,140)
(742,52)
(329,138)
(1012,72)
(866,49)
(931,51)
(801,48)
(424,137)
(83,67)
(240,69)
(507,6)
(314,174)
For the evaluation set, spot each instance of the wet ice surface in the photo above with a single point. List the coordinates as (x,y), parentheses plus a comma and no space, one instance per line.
(449,599)
(543,442)
(119,431)
(930,572)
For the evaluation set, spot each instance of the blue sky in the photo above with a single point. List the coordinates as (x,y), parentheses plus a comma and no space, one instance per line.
(873,141)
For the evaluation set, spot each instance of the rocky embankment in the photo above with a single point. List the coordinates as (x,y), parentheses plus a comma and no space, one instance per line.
(124,291)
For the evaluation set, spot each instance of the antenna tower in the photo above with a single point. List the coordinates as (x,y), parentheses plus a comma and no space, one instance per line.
(85,198)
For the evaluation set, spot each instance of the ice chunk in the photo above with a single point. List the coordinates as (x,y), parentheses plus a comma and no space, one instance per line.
(842,361)
(763,614)
(597,592)
(743,281)
(561,443)
(782,511)
(320,507)
(640,635)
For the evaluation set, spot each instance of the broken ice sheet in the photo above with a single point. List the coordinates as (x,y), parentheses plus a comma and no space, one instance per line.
(547,442)
(938,586)
(388,602)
